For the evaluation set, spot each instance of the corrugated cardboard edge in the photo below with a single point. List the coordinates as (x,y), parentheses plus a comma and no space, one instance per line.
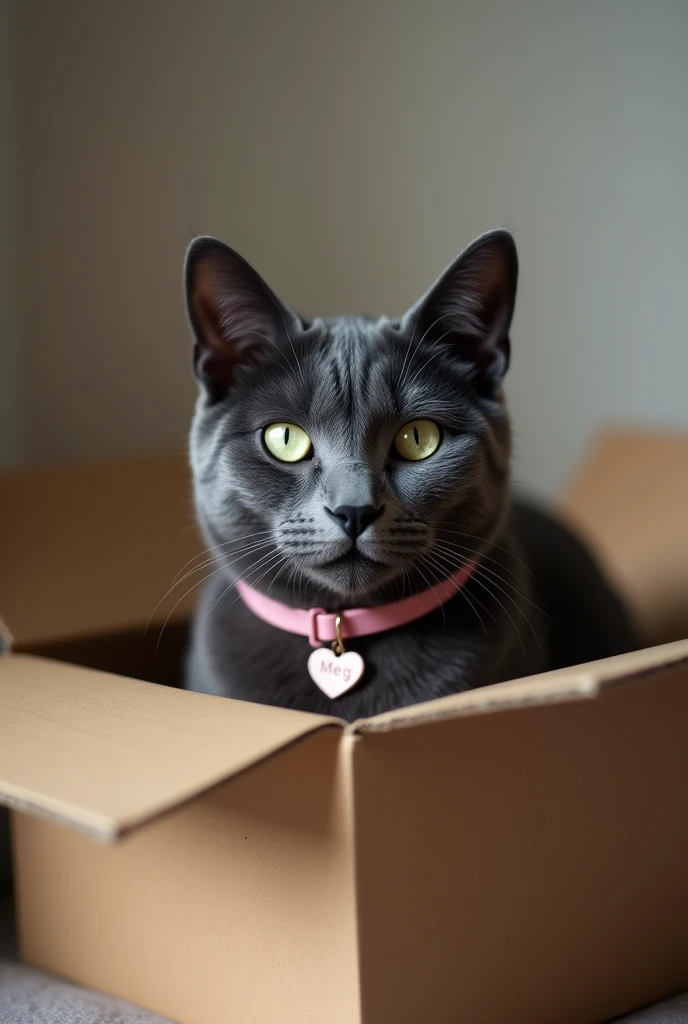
(131,826)
(66,815)
(582,682)
(14,799)
(210,724)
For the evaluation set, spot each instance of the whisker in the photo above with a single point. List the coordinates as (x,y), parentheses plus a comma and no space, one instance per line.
(403,365)
(462,591)
(218,547)
(506,612)
(505,609)
(483,569)
(191,589)
(443,317)
(255,546)
(296,358)
(449,527)
(290,578)
(471,554)
(274,579)
(256,565)
(403,582)
(254,583)
(209,561)
(271,341)
(428,360)
(444,616)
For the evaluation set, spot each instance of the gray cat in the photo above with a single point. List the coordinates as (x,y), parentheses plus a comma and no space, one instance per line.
(351,462)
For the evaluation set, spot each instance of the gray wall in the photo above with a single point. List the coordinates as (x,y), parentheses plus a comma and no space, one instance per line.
(10,439)
(349,151)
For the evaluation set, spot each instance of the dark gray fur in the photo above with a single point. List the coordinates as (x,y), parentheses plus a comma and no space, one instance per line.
(537,599)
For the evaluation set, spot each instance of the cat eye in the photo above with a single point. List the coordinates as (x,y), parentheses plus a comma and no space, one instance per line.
(287,442)
(418,440)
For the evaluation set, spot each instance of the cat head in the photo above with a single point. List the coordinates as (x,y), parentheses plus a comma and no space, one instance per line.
(347,460)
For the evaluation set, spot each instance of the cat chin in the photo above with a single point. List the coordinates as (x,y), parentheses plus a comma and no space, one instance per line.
(353,578)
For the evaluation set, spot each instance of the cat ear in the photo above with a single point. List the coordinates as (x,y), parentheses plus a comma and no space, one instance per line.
(470,306)
(234,316)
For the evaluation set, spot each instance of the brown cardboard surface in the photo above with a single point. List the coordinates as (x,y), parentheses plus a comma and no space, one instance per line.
(530,858)
(129,652)
(105,754)
(93,548)
(580,682)
(238,907)
(527,866)
(629,501)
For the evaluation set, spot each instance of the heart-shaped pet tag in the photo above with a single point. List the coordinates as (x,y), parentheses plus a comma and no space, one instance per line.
(335,673)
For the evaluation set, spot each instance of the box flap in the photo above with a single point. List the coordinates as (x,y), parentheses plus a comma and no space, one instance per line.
(582,682)
(93,549)
(629,501)
(105,754)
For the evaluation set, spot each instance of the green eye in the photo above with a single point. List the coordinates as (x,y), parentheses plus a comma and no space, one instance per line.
(287,442)
(418,440)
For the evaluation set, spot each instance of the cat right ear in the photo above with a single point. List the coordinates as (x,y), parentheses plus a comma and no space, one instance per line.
(234,316)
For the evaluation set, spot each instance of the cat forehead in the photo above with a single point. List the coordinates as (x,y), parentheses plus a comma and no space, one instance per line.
(340,371)
(356,330)
(354,350)
(343,371)
(358,341)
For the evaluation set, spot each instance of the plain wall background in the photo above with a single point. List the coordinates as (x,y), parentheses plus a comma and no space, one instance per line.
(350,151)
(10,427)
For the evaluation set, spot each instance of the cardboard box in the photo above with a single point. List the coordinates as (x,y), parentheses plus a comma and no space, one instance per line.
(512,854)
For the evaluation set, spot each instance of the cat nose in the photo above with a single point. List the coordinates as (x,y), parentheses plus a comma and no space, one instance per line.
(354,519)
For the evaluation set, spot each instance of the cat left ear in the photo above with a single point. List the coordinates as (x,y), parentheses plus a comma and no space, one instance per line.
(471,305)
(234,316)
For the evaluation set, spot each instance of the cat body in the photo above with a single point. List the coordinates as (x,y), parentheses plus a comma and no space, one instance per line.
(350,463)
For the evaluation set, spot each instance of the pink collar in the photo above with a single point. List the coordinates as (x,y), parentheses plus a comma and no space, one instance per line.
(320,626)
